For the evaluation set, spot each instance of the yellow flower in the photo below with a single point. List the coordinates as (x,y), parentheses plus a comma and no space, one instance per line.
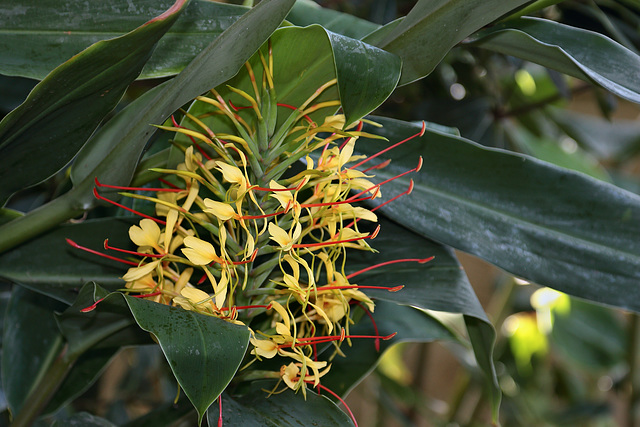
(200,252)
(284,239)
(136,273)
(222,211)
(146,236)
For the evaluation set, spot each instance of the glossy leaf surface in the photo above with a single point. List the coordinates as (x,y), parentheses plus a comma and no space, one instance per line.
(433,27)
(30,343)
(35,40)
(203,352)
(283,409)
(126,140)
(546,224)
(580,53)
(61,270)
(308,12)
(66,107)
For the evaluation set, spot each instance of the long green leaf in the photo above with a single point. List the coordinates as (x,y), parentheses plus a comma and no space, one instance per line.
(36,38)
(546,224)
(433,27)
(61,270)
(287,409)
(30,343)
(203,352)
(43,134)
(126,140)
(580,53)
(308,12)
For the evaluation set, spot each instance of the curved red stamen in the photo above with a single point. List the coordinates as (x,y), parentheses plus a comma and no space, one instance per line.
(416,169)
(164,181)
(353,418)
(373,322)
(337,242)
(291,107)
(92,251)
(99,197)
(113,248)
(395,261)
(338,287)
(421,133)
(91,307)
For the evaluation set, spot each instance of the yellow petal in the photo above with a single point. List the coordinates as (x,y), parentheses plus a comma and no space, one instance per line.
(198,251)
(280,236)
(147,234)
(222,211)
(136,273)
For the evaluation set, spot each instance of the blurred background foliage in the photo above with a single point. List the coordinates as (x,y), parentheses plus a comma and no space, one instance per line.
(560,361)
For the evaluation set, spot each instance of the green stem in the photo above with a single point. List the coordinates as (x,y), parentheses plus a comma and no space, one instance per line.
(38,221)
(44,390)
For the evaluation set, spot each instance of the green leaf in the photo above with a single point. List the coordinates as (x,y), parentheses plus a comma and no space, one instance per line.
(126,140)
(439,285)
(30,343)
(362,357)
(366,75)
(36,38)
(308,12)
(580,53)
(47,264)
(278,410)
(549,225)
(433,27)
(203,352)
(43,134)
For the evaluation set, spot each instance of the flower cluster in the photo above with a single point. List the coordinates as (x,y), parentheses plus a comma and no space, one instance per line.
(253,225)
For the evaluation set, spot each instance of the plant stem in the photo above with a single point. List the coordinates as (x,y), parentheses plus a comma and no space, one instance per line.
(44,390)
(37,221)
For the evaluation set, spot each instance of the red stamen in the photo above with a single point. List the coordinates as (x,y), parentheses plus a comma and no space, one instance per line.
(330,338)
(416,169)
(152,294)
(253,258)
(375,325)
(382,264)
(220,411)
(164,181)
(317,205)
(385,288)
(91,307)
(193,140)
(380,166)
(337,242)
(113,248)
(246,307)
(77,246)
(118,187)
(353,418)
(424,127)
(99,197)
(291,107)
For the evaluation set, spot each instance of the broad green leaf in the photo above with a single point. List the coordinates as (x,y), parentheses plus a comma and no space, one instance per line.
(36,38)
(362,357)
(286,409)
(43,134)
(47,264)
(308,12)
(126,140)
(439,285)
(617,139)
(30,343)
(549,225)
(203,352)
(433,27)
(580,53)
